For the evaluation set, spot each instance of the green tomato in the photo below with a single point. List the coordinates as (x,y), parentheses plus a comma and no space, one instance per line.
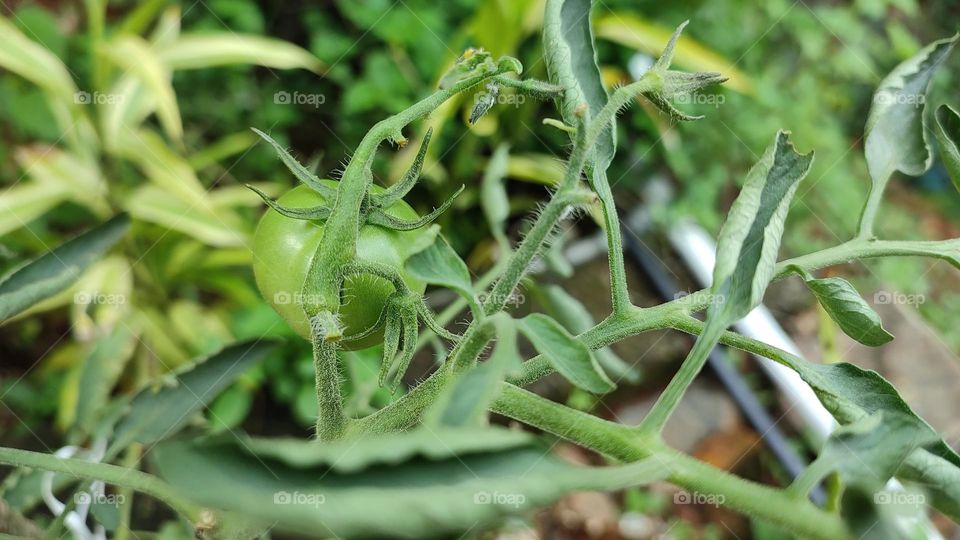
(283,249)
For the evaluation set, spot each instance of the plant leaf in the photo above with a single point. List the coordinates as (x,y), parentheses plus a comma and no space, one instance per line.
(572,359)
(848,309)
(136,56)
(440,265)
(156,414)
(571,63)
(204,51)
(442,494)
(895,136)
(153,204)
(493,194)
(948,136)
(750,238)
(56,270)
(572,314)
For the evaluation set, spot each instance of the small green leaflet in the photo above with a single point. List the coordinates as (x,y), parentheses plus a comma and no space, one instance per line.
(493,195)
(847,308)
(895,136)
(568,356)
(750,239)
(55,271)
(948,136)
(440,265)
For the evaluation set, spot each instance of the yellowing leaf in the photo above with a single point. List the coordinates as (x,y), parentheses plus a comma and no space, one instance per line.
(203,51)
(155,205)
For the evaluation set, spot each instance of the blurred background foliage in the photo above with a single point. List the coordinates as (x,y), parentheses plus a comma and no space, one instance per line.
(175,149)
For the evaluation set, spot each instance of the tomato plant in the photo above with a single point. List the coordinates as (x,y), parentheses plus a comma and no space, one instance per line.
(283,250)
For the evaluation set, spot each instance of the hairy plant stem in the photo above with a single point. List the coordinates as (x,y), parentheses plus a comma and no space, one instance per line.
(111,474)
(621,443)
(331,420)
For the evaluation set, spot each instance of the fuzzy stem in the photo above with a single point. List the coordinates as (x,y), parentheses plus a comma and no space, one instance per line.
(331,420)
(111,474)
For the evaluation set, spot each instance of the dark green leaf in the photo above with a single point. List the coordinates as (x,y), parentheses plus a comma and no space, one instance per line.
(568,356)
(750,239)
(440,493)
(895,137)
(948,135)
(156,414)
(56,270)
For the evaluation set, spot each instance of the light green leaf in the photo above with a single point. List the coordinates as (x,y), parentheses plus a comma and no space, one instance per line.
(158,413)
(204,51)
(153,204)
(28,59)
(895,136)
(571,63)
(572,359)
(440,265)
(948,136)
(493,194)
(750,238)
(98,375)
(446,492)
(163,166)
(848,309)
(56,270)
(135,55)
(25,202)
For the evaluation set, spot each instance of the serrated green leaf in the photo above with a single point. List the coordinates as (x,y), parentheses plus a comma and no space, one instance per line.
(571,358)
(156,414)
(401,498)
(895,136)
(204,51)
(948,136)
(750,238)
(848,309)
(56,270)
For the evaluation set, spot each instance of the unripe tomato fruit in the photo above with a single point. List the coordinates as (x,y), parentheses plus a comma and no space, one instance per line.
(284,247)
